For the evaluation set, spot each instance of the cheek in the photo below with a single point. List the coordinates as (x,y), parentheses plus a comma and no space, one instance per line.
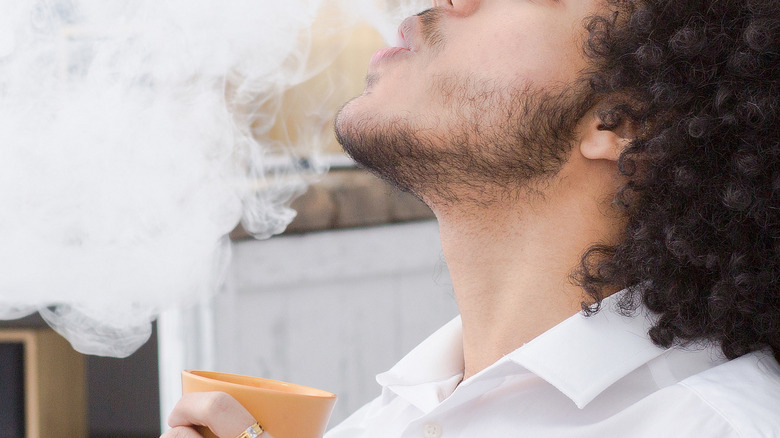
(537,52)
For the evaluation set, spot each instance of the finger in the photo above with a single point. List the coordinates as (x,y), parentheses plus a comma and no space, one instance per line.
(216,410)
(181,432)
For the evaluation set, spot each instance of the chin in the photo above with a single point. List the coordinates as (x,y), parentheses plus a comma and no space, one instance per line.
(346,112)
(353,117)
(344,124)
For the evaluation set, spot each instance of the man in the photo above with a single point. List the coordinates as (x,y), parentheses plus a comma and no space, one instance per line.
(615,156)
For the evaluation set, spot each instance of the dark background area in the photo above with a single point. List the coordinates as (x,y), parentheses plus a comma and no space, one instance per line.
(123,394)
(11,390)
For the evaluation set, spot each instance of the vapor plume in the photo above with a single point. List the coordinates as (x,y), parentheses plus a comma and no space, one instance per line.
(133,139)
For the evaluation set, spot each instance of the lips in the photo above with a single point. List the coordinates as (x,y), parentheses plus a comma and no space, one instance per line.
(405,42)
(386,53)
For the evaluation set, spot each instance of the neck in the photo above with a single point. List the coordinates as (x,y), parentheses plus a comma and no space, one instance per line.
(511,264)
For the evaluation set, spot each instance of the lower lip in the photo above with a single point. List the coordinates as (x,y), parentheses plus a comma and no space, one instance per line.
(387,53)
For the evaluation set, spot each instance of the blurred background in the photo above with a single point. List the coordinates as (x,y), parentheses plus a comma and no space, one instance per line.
(355,281)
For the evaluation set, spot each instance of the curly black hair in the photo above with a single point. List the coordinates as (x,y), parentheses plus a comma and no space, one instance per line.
(700,83)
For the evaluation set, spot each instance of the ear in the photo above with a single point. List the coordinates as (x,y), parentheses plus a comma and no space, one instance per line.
(597,142)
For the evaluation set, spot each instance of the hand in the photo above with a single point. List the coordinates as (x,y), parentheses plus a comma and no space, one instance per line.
(216,410)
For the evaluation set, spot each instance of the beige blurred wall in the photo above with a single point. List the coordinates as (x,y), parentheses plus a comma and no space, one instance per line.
(307,110)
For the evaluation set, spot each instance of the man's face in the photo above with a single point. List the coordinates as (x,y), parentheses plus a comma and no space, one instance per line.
(485,99)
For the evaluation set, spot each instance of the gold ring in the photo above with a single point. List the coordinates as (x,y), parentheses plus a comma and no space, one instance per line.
(252,431)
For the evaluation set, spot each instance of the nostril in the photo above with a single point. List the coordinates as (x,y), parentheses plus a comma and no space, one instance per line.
(442,3)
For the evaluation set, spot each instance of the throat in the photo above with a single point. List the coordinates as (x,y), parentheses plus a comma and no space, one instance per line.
(512,279)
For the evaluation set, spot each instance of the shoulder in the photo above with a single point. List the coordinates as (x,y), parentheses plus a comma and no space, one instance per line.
(745,392)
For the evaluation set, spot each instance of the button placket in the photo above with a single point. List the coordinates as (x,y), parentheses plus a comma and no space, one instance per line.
(432,430)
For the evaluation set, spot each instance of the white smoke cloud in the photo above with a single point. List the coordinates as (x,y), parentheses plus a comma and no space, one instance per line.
(126,155)
(386,16)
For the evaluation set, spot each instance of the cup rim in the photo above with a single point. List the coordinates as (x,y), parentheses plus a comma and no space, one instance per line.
(302,390)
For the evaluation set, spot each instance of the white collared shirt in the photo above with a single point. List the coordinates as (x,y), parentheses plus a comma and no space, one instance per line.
(598,376)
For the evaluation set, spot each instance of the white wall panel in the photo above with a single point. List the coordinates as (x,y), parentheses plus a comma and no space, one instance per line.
(329,310)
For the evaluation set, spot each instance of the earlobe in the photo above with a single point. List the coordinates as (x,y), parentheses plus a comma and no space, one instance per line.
(597,142)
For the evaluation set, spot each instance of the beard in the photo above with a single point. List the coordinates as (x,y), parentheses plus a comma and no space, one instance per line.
(498,143)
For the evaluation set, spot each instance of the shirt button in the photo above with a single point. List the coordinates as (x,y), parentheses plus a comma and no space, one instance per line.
(432,430)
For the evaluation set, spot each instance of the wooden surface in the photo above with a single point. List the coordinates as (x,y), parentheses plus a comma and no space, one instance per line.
(55,384)
(350,198)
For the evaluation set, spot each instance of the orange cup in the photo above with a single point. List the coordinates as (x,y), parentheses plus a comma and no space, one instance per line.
(285,410)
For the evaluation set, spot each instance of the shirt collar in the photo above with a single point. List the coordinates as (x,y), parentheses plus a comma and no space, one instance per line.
(582,356)
(430,372)
(437,358)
